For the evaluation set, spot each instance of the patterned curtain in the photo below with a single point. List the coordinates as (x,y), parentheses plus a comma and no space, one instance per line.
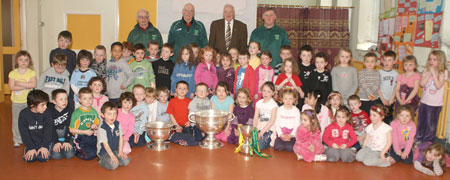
(326,30)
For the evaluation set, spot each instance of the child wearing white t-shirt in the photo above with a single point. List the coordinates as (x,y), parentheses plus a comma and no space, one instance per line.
(378,140)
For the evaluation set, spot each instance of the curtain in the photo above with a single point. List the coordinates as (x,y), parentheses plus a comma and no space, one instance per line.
(326,30)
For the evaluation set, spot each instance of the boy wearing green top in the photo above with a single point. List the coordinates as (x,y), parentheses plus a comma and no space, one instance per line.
(83,125)
(142,70)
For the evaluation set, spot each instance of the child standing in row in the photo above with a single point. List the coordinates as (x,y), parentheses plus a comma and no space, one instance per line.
(226,72)
(153,50)
(56,77)
(119,73)
(83,123)
(285,53)
(308,145)
(378,140)
(184,70)
(140,112)
(288,79)
(127,52)
(369,82)
(403,133)
(234,53)
(126,118)
(35,127)
(244,113)
(99,64)
(388,79)
(81,76)
(254,48)
(110,140)
(306,68)
(98,87)
(206,69)
(62,145)
(408,84)
(142,70)
(20,81)
(345,77)
(245,75)
(64,41)
(320,77)
(163,67)
(263,72)
(287,121)
(265,115)
(339,136)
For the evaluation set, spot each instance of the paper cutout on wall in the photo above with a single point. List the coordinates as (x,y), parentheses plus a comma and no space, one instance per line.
(405,7)
(430,6)
(388,8)
(427,30)
(404,39)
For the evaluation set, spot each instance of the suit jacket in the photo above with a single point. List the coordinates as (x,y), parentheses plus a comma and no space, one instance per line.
(238,36)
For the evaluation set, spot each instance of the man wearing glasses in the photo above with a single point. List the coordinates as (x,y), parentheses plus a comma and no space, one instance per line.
(144,31)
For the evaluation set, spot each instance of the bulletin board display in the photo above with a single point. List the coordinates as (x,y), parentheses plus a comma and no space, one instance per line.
(427,30)
(405,7)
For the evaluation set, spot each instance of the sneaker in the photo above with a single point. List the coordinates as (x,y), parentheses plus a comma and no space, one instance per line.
(16,145)
(353,149)
(390,160)
(299,157)
(320,157)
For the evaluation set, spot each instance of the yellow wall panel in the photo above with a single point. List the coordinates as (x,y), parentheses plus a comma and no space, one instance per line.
(127,15)
(85,29)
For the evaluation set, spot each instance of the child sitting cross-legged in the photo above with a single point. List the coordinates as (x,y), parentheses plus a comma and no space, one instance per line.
(110,139)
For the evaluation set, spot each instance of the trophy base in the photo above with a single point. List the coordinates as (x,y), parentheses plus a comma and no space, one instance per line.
(210,142)
(245,149)
(158,146)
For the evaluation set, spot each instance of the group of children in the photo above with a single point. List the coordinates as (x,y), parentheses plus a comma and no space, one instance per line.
(100,108)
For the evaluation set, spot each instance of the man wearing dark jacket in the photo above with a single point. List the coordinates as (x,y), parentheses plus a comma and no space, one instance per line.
(144,31)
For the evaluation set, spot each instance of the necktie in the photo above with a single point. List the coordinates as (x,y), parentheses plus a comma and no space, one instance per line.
(228,36)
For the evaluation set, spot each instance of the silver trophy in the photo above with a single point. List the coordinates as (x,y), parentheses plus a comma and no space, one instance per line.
(158,132)
(246,131)
(211,122)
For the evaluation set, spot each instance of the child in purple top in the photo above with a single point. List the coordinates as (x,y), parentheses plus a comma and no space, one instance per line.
(244,113)
(226,72)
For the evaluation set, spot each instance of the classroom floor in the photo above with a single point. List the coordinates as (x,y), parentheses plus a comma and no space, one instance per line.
(181,162)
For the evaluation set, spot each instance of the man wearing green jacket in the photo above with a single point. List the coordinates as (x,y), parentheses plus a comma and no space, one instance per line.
(270,36)
(186,31)
(144,31)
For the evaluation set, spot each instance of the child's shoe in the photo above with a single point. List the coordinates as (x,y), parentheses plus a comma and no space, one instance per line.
(16,145)
(320,157)
(299,157)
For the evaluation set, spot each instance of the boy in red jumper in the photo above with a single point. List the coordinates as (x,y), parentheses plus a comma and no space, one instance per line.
(360,119)
(245,75)
(339,136)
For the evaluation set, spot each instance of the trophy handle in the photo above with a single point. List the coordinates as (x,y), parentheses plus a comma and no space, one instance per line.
(189,117)
(232,117)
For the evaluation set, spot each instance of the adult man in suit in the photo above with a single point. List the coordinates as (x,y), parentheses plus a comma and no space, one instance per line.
(228,32)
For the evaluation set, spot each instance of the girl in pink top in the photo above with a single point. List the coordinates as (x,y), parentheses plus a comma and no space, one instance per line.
(408,84)
(433,80)
(264,73)
(403,133)
(206,69)
(312,101)
(98,87)
(126,118)
(308,145)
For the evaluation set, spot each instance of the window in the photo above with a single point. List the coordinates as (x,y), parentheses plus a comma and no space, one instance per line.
(368,24)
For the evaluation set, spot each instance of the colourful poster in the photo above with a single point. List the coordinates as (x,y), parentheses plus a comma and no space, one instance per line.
(427,30)
(388,8)
(430,6)
(405,7)
(404,35)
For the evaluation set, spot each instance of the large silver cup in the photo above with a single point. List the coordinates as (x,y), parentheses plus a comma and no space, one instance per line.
(158,132)
(246,131)
(211,122)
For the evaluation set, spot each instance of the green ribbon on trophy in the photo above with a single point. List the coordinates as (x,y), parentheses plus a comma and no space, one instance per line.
(255,145)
